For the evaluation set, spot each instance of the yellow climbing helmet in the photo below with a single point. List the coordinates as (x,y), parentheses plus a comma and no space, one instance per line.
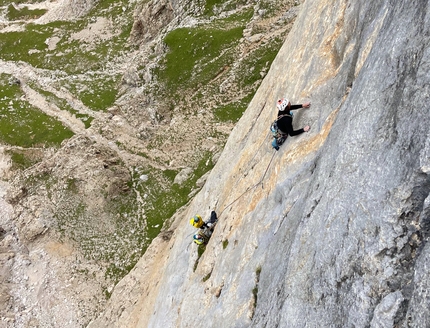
(196,221)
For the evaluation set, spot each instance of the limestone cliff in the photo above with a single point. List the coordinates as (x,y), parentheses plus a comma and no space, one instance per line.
(335,233)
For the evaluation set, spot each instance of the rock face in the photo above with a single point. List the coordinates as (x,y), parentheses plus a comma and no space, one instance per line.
(335,233)
(153,17)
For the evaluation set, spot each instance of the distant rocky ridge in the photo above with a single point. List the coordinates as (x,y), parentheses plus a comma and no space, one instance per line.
(336,233)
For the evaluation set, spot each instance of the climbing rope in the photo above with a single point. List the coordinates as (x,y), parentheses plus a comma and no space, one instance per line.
(251,165)
(252,159)
(252,187)
(249,188)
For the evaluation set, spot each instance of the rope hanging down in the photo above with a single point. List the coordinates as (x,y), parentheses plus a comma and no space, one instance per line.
(250,188)
(259,182)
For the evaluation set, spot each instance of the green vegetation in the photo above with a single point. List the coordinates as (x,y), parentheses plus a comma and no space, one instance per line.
(69,54)
(164,200)
(225,243)
(83,64)
(64,105)
(100,94)
(197,51)
(239,18)
(23,125)
(210,5)
(106,293)
(128,225)
(20,160)
(260,59)
(269,8)
(7,2)
(72,185)
(232,111)
(206,278)
(26,45)
(198,55)
(133,211)
(23,159)
(250,67)
(24,13)
(200,250)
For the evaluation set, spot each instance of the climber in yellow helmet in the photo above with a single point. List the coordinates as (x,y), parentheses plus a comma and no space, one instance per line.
(206,228)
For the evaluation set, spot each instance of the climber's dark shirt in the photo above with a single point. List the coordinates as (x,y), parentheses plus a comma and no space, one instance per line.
(285,123)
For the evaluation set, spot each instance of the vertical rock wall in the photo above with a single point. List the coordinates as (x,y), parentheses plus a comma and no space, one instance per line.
(332,230)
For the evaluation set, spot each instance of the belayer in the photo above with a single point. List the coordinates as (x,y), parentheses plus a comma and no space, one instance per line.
(283,125)
(206,228)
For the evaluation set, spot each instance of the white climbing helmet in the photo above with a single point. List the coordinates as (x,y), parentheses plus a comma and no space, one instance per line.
(282,104)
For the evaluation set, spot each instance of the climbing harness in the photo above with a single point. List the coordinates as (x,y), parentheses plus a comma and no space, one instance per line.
(278,136)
